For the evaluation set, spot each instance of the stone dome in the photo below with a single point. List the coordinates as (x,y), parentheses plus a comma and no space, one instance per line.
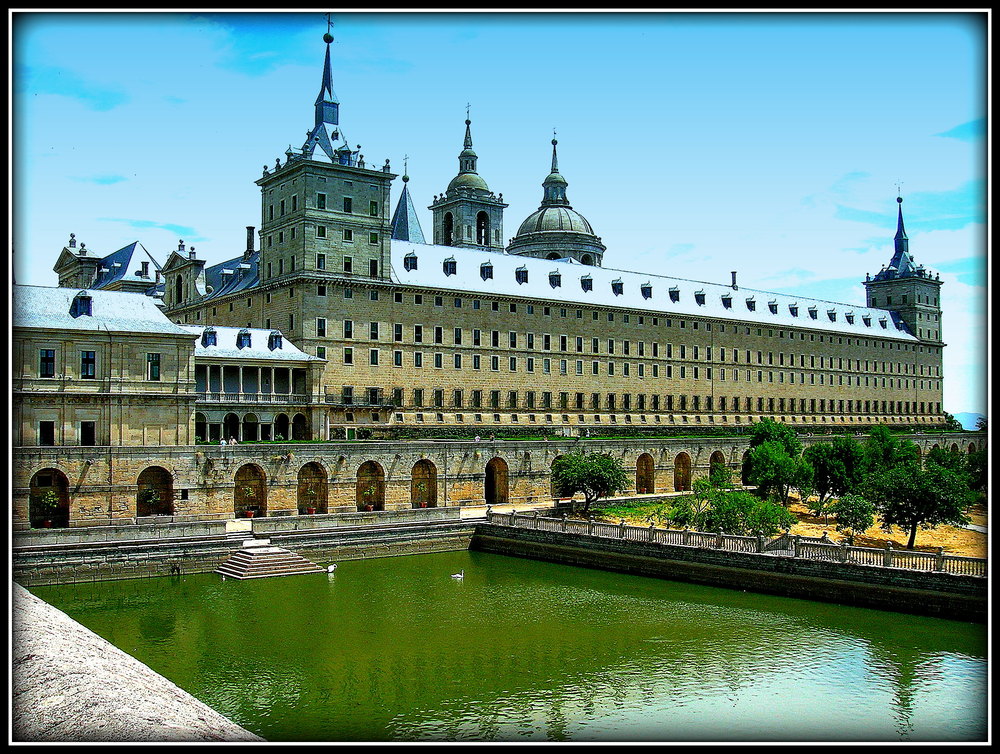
(468,181)
(555,218)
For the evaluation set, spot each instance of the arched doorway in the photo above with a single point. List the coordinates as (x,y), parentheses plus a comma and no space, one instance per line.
(200,427)
(496,489)
(955,448)
(312,489)
(972,449)
(48,500)
(250,491)
(716,466)
(300,430)
(745,468)
(281,426)
(644,483)
(231,427)
(155,493)
(423,484)
(682,472)
(251,428)
(371,487)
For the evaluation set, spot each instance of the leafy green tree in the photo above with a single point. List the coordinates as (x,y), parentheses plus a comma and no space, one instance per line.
(853,513)
(596,475)
(981,423)
(978,471)
(951,423)
(741,513)
(949,459)
(828,472)
(768,430)
(884,451)
(775,472)
(851,456)
(910,498)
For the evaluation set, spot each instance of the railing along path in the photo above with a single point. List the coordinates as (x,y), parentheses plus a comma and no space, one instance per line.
(786,544)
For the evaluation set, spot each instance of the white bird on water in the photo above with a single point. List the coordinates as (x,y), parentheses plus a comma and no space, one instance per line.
(459,575)
(331,568)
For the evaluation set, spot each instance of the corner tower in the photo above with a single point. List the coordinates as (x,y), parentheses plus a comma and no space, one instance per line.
(555,230)
(908,290)
(468,214)
(322,209)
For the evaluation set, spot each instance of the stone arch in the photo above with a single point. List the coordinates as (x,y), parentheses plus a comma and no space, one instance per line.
(282,425)
(716,461)
(48,500)
(936,447)
(745,468)
(972,448)
(497,483)
(682,472)
(230,427)
(200,426)
(553,255)
(371,487)
(155,493)
(955,448)
(645,482)
(423,484)
(483,229)
(250,491)
(448,230)
(250,427)
(300,427)
(587,259)
(312,489)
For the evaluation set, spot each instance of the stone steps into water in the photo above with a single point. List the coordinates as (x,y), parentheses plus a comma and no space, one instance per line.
(258,559)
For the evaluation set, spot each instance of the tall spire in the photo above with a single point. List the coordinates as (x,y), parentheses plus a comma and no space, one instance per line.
(902,242)
(327,104)
(554,184)
(467,158)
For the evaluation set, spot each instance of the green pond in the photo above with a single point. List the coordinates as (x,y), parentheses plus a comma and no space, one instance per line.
(395,649)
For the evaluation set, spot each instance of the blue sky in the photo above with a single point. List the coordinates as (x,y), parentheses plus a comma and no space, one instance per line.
(695,144)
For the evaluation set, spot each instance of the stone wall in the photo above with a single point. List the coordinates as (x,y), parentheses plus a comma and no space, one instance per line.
(941,595)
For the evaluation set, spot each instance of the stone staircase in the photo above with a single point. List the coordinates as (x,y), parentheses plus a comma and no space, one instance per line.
(258,559)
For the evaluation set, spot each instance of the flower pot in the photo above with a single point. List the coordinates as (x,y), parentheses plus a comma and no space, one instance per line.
(310,511)
(248,514)
(46,524)
(423,505)
(368,508)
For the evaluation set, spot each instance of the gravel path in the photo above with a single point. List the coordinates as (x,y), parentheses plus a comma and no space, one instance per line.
(69,684)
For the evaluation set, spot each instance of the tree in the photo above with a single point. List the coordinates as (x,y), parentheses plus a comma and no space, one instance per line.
(596,475)
(828,473)
(851,455)
(884,451)
(951,423)
(776,472)
(768,430)
(981,423)
(853,513)
(978,471)
(912,498)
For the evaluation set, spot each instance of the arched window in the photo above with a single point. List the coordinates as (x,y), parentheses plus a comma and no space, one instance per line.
(483,229)
(682,472)
(644,475)
(312,489)
(155,493)
(48,500)
(249,491)
(497,490)
(448,229)
(423,484)
(371,487)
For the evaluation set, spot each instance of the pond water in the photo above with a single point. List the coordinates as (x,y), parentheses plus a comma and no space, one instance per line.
(394,649)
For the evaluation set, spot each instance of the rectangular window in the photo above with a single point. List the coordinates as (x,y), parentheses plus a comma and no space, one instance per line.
(320,231)
(320,201)
(47,362)
(88,365)
(348,355)
(321,261)
(348,328)
(46,433)
(418,333)
(373,331)
(153,366)
(348,235)
(348,204)
(348,264)
(373,357)
(88,433)
(321,327)
(373,209)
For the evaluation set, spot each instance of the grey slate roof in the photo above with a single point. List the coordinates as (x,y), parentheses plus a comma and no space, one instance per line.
(122,263)
(113,311)
(243,274)
(628,290)
(405,224)
(226,348)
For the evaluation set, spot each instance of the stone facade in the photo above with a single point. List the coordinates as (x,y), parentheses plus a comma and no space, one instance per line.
(208,482)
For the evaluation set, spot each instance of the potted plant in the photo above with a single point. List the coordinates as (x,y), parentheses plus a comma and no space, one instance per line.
(148,501)
(46,505)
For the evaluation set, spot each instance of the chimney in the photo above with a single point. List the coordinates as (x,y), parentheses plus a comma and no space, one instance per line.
(249,251)
(735,287)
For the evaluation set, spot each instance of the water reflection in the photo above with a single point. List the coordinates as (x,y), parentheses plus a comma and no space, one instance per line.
(394,649)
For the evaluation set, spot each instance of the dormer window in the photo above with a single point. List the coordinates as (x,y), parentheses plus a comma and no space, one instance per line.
(751,304)
(521,275)
(617,287)
(882,321)
(793,309)
(486,271)
(274,340)
(849,316)
(450,266)
(832,314)
(209,337)
(675,294)
(555,279)
(587,283)
(243,339)
(410,262)
(813,312)
(647,290)
(772,307)
(699,298)
(867,320)
(727,301)
(82,305)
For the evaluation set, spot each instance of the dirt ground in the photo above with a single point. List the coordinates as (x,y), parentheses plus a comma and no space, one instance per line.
(954,540)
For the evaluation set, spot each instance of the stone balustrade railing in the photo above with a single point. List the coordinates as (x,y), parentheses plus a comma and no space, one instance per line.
(811,548)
